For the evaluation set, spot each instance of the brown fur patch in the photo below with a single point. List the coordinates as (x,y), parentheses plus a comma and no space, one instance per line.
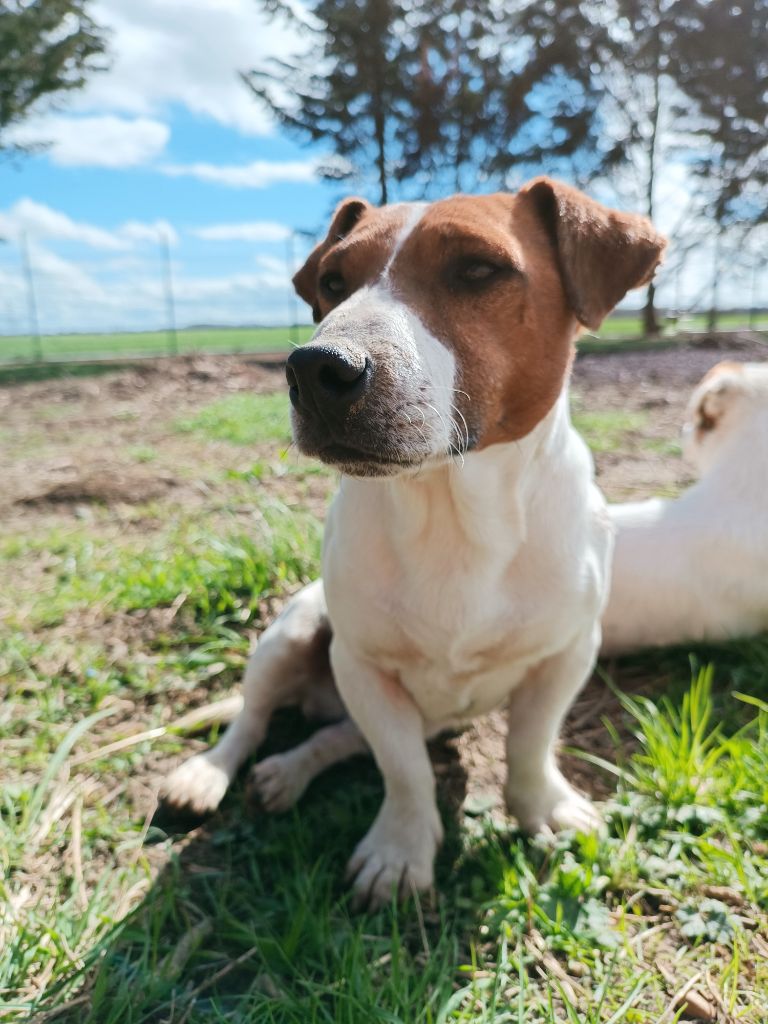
(602,253)
(714,401)
(512,337)
(357,246)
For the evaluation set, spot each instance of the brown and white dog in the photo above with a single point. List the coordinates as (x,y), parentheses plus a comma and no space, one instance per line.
(467,551)
(696,567)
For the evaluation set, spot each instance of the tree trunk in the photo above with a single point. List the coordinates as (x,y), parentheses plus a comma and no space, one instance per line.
(381,153)
(380,130)
(714,312)
(651,327)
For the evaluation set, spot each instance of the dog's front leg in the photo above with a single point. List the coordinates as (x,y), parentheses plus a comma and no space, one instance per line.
(536,791)
(398,852)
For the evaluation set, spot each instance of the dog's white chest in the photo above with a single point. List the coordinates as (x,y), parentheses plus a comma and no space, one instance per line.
(459,590)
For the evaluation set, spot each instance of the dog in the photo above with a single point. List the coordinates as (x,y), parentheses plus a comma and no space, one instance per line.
(466,554)
(696,567)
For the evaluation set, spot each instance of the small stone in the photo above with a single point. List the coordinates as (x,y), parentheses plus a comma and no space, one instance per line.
(695,1006)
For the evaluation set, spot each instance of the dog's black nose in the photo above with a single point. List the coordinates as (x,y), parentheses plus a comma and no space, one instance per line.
(326,377)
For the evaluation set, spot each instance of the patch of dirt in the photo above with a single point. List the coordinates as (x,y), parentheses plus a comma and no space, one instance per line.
(70,441)
(671,368)
(100,482)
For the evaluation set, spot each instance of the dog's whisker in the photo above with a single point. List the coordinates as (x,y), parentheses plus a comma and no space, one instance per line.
(447,387)
(465,437)
(449,433)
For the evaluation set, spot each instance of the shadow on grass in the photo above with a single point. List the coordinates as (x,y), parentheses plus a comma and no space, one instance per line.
(250,919)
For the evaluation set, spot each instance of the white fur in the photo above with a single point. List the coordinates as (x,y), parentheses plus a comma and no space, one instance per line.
(413,653)
(696,567)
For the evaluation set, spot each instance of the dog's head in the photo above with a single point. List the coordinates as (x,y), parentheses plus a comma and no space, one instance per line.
(731,397)
(450,326)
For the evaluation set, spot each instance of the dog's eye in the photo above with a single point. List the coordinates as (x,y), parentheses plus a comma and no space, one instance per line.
(477,271)
(333,284)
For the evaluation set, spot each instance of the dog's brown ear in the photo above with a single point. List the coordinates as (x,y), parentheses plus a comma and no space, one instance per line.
(602,253)
(723,383)
(347,214)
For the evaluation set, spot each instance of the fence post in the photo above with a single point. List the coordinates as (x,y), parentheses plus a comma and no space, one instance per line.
(293,308)
(37,341)
(170,304)
(753,296)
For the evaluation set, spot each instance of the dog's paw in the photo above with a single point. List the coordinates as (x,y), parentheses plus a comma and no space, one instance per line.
(556,806)
(576,812)
(395,858)
(197,785)
(277,782)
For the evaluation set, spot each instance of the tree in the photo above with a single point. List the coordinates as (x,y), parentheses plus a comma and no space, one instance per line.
(673,82)
(724,71)
(439,94)
(435,93)
(46,47)
(346,85)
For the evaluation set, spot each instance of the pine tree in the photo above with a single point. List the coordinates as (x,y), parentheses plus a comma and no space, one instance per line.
(345,87)
(439,94)
(46,47)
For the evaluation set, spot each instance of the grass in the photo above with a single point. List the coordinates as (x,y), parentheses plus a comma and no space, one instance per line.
(249,921)
(118,623)
(19,348)
(607,430)
(619,333)
(243,419)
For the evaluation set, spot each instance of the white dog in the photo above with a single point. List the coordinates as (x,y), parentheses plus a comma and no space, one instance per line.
(466,554)
(696,567)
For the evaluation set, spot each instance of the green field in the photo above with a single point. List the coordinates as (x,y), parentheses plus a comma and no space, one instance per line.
(21,348)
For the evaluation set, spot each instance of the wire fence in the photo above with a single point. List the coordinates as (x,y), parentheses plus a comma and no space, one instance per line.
(163,299)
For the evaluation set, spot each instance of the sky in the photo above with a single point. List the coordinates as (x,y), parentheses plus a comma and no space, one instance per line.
(168,143)
(169,147)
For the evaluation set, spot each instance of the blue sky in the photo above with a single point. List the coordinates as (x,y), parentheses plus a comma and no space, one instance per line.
(169,142)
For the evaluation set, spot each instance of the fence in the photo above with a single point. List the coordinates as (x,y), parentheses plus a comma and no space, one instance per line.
(128,304)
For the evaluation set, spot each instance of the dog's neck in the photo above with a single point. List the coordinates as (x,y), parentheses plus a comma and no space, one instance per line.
(479,502)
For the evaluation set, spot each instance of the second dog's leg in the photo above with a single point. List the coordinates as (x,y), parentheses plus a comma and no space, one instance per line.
(536,792)
(278,673)
(280,780)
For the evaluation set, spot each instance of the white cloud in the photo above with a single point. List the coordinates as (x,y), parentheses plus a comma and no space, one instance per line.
(40,221)
(59,279)
(186,52)
(139,232)
(105,297)
(259,174)
(105,141)
(276,267)
(253,231)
